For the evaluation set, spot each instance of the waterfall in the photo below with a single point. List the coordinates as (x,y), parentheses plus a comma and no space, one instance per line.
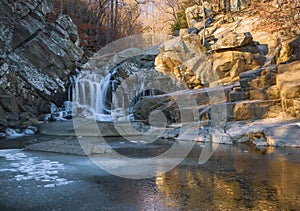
(92,96)
(104,99)
(112,97)
(95,97)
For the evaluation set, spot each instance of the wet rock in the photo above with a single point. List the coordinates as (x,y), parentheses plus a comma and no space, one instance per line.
(143,108)
(25,116)
(260,142)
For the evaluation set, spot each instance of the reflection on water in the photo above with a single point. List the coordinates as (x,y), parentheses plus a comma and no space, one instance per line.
(233,179)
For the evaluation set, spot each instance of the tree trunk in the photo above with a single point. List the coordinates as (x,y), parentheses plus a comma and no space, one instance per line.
(203,21)
(111,19)
(116,20)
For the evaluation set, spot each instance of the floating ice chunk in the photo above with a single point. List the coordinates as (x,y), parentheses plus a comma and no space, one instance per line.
(52,172)
(32,168)
(61,179)
(53,108)
(63,183)
(49,186)
(67,106)
(13,133)
(10,170)
(59,116)
(30,130)
(103,117)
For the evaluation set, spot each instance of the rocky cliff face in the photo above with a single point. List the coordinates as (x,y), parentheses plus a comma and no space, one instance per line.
(36,58)
(197,65)
(239,71)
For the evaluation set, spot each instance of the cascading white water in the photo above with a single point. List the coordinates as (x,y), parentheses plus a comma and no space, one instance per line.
(92,95)
(110,98)
(102,113)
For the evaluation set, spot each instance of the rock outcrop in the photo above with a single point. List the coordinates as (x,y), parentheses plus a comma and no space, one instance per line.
(188,61)
(36,59)
(195,14)
(259,82)
(261,108)
(288,49)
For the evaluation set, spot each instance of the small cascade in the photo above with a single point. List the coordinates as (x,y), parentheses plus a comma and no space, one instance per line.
(85,88)
(110,98)
(93,94)
(104,99)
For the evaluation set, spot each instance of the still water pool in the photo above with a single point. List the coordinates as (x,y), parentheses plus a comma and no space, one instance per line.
(237,177)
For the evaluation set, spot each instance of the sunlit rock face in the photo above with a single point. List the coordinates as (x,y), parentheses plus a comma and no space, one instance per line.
(195,14)
(185,59)
(36,58)
(289,49)
(288,81)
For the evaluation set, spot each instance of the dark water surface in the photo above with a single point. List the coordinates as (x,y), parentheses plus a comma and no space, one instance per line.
(237,177)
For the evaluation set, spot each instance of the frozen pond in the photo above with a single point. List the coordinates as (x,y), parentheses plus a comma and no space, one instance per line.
(236,177)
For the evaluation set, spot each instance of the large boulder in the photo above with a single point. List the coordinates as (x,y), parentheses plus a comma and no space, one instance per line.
(176,52)
(288,81)
(234,40)
(232,63)
(36,57)
(193,15)
(289,50)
